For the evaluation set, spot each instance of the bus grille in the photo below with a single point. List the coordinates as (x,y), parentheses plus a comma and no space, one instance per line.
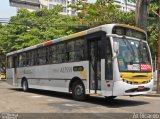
(137,90)
(135,82)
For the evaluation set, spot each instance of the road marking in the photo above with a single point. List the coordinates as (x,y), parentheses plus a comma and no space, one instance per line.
(147,97)
(6,108)
(71,105)
(36,96)
(50,100)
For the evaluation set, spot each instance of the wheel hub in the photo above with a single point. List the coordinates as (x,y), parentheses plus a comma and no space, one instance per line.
(78,90)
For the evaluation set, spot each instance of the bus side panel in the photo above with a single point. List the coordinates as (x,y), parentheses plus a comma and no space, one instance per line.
(9,76)
(55,77)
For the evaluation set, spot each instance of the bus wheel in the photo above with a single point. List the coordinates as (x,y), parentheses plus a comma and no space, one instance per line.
(25,85)
(78,91)
(110,97)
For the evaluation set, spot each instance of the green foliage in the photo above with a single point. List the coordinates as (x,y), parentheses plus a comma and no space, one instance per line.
(153,39)
(101,12)
(30,28)
(153,27)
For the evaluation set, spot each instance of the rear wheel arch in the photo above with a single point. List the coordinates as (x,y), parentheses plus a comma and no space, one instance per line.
(78,90)
(73,80)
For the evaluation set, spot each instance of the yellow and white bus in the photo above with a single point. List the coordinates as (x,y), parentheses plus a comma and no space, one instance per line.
(109,60)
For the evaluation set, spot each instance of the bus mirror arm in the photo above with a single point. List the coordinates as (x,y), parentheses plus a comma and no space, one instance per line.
(116,47)
(115,56)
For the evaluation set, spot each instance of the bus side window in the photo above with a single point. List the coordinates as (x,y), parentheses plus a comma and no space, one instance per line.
(47,54)
(9,62)
(41,56)
(28,58)
(59,58)
(37,57)
(33,57)
(70,51)
(22,59)
(80,50)
(52,52)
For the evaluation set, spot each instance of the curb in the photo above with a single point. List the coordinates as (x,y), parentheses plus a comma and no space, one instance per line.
(3,80)
(152,95)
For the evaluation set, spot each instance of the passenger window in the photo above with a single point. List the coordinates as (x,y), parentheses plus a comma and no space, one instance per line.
(70,51)
(80,50)
(9,62)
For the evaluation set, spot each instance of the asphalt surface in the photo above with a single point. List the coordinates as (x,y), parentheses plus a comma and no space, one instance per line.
(49,104)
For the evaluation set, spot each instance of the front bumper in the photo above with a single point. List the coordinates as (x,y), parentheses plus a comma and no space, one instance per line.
(123,88)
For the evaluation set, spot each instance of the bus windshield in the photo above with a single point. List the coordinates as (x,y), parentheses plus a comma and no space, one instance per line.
(133,55)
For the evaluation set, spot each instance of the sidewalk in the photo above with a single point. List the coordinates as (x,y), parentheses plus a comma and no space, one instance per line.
(2,80)
(152,94)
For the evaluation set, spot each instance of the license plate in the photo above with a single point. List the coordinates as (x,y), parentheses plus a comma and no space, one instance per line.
(140,87)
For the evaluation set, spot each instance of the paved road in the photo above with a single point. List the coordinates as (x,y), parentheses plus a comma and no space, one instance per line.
(14,100)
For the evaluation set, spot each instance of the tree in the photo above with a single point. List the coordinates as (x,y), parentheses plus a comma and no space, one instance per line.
(102,12)
(153,27)
(30,28)
(141,13)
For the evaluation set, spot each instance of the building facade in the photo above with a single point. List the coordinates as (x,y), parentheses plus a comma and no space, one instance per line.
(33,5)
(66,10)
(126,5)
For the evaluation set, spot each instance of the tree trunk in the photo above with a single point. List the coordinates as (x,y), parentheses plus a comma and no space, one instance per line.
(141,13)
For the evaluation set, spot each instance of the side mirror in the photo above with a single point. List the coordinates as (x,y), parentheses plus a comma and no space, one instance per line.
(116,47)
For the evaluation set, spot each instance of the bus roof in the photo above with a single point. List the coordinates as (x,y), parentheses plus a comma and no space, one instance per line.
(106,28)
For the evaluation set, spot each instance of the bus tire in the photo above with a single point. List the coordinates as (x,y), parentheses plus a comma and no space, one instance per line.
(25,85)
(78,91)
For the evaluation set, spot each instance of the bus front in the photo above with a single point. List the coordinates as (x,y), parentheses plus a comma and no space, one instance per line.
(132,62)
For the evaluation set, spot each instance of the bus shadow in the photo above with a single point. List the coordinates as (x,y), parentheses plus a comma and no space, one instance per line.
(115,103)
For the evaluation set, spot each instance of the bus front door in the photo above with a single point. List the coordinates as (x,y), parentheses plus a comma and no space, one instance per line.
(15,64)
(107,81)
(95,65)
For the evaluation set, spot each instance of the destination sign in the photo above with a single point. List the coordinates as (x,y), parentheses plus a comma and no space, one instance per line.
(119,30)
